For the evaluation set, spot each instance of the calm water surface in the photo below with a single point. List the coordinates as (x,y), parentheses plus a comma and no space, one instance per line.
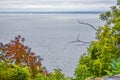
(49,34)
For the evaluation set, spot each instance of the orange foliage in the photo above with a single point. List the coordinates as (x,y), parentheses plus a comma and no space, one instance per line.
(19,54)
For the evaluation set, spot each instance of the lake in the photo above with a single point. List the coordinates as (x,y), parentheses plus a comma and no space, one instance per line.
(49,35)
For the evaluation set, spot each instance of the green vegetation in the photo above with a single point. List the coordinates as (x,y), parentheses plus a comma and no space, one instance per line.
(115,67)
(13,72)
(96,62)
(56,75)
(17,62)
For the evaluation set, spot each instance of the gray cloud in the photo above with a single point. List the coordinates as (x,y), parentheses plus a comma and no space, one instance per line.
(61,1)
(57,4)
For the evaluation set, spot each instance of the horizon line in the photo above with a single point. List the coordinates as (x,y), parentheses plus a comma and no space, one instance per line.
(51,12)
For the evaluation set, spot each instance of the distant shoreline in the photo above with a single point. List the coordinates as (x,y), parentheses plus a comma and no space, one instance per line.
(80,12)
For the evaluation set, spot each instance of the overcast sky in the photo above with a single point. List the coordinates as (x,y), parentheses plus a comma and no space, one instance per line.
(57,5)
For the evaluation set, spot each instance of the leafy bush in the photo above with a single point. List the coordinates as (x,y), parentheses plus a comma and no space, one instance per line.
(21,73)
(5,72)
(13,72)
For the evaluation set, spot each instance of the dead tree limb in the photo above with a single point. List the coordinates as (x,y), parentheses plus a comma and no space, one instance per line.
(86,24)
(78,40)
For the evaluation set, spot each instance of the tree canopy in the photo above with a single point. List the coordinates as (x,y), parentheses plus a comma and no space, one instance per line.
(96,62)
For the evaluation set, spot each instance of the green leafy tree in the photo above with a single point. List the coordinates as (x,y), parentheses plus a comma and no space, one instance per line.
(110,16)
(106,47)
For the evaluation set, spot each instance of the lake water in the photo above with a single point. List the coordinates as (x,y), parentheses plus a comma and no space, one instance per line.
(49,35)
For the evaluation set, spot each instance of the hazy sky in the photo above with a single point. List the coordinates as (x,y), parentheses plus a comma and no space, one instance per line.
(57,5)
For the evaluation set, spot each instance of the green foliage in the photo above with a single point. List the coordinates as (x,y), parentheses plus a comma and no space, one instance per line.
(56,75)
(100,54)
(115,67)
(6,73)
(118,2)
(21,73)
(96,62)
(110,16)
(82,71)
(13,72)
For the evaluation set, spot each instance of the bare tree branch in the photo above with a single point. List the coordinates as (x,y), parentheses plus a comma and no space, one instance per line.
(86,24)
(78,40)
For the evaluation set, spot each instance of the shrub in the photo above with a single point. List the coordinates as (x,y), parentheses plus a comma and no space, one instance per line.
(13,72)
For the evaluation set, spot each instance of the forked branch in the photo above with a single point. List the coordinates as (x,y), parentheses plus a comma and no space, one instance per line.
(78,40)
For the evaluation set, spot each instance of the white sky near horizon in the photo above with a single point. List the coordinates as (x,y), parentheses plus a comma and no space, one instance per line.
(57,5)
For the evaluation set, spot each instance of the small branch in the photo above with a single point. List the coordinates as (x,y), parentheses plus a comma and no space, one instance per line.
(78,40)
(86,24)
